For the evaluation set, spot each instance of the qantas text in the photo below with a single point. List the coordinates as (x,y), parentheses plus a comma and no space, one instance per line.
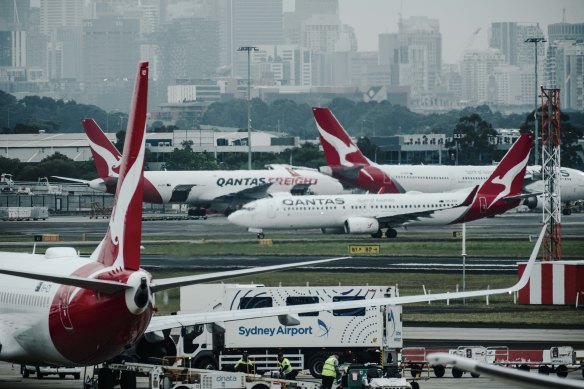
(313,201)
(254,181)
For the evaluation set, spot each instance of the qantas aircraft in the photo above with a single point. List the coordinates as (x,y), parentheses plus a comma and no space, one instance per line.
(61,309)
(369,213)
(218,190)
(516,377)
(347,163)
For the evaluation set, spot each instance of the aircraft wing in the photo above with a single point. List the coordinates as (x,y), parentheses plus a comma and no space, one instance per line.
(522,196)
(510,375)
(416,214)
(175,282)
(103,286)
(243,196)
(164,322)
(86,182)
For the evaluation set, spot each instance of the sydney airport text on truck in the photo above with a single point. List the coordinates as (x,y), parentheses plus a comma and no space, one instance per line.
(357,335)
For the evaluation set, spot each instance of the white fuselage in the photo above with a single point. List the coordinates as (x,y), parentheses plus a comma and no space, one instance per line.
(25,305)
(209,185)
(298,212)
(442,178)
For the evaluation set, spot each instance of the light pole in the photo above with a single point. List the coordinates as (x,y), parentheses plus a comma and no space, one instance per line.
(535,41)
(249,49)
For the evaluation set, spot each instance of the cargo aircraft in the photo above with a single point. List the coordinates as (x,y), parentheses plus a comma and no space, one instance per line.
(347,163)
(62,309)
(216,190)
(369,213)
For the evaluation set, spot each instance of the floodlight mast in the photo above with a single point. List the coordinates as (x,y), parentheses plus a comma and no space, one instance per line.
(249,49)
(535,41)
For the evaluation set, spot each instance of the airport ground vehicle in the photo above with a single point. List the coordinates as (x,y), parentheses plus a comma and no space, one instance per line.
(559,360)
(372,376)
(357,335)
(179,377)
(42,371)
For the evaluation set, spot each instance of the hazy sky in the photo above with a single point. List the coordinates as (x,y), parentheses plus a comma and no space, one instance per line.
(459,19)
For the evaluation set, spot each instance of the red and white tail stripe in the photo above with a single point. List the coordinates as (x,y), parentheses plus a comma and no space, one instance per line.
(107,158)
(121,246)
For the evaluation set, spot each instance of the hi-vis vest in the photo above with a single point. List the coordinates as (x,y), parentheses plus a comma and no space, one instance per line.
(286,366)
(329,367)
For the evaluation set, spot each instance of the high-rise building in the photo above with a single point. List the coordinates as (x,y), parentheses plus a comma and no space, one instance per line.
(414,54)
(569,73)
(565,32)
(253,23)
(509,38)
(188,48)
(477,73)
(60,13)
(513,86)
(558,33)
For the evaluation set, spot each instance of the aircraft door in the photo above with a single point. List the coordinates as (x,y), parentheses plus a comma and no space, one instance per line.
(482,204)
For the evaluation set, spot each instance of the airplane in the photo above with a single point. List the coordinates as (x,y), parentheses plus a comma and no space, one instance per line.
(369,213)
(347,163)
(62,309)
(509,375)
(217,190)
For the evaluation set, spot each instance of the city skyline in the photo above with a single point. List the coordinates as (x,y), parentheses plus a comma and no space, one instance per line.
(369,18)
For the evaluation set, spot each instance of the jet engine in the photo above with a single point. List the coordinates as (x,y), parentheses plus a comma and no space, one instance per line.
(531,202)
(361,225)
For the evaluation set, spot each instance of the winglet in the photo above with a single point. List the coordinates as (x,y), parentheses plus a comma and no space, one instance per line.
(105,155)
(121,245)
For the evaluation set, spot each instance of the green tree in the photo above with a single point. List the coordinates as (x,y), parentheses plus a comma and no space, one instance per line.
(472,135)
(186,159)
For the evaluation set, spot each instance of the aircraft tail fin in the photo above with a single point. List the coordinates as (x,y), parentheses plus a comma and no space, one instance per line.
(500,191)
(121,245)
(105,155)
(339,149)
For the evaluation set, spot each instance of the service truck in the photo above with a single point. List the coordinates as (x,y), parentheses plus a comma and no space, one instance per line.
(356,335)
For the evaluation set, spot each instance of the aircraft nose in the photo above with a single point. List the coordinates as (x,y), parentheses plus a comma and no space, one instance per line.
(235,218)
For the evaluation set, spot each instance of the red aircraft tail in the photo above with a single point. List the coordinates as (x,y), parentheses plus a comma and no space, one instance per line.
(502,190)
(121,245)
(105,155)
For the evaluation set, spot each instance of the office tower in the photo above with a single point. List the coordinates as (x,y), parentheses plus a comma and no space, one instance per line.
(14,15)
(189,49)
(253,23)
(509,38)
(477,68)
(60,13)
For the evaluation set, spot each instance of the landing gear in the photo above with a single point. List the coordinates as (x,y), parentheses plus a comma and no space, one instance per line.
(261,235)
(377,234)
(390,233)
(567,211)
(105,378)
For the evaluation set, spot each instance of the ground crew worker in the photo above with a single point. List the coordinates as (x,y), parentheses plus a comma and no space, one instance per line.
(330,371)
(244,365)
(286,371)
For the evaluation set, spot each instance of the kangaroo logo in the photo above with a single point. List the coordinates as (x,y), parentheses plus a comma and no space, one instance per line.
(340,147)
(112,161)
(507,180)
(324,329)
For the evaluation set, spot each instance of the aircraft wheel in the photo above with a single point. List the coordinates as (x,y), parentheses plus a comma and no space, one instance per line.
(475,375)
(377,234)
(567,212)
(39,375)
(415,385)
(62,376)
(24,371)
(261,235)
(456,373)
(562,371)
(390,233)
